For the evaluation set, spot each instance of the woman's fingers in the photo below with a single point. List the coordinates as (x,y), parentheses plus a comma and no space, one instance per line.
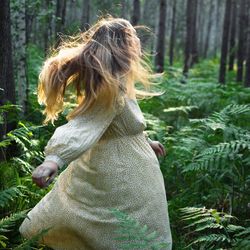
(158,148)
(158,151)
(51,178)
(163,149)
(41,176)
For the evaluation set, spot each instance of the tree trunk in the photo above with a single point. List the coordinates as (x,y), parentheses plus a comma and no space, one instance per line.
(191,56)
(46,31)
(58,17)
(85,15)
(7,86)
(172,36)
(136,12)
(160,49)
(124,9)
(232,49)
(209,26)
(29,18)
(201,21)
(194,50)
(241,42)
(247,75)
(224,46)
(149,19)
(64,8)
(19,52)
(217,36)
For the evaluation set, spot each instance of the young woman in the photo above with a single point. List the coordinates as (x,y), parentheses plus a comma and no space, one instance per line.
(110,162)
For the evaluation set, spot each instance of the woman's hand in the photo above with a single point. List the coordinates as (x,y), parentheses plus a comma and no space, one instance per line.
(158,148)
(45,173)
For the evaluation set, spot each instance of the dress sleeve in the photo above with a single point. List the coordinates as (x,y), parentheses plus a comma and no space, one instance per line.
(79,134)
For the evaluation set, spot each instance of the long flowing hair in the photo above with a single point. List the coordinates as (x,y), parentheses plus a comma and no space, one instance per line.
(99,63)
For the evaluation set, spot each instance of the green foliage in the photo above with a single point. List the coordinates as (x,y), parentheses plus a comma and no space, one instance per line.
(33,242)
(10,221)
(17,192)
(205,129)
(28,145)
(10,194)
(210,229)
(8,107)
(136,236)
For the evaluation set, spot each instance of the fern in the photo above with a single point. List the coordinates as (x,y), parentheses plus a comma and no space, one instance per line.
(33,242)
(183,109)
(10,221)
(242,240)
(215,156)
(8,107)
(210,229)
(131,230)
(10,194)
(22,136)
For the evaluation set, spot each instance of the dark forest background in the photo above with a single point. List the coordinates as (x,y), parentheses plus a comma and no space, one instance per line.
(203,48)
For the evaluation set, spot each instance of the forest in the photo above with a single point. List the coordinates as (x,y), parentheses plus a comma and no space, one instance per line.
(202,50)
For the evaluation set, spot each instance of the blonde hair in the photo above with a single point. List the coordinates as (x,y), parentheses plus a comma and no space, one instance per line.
(99,63)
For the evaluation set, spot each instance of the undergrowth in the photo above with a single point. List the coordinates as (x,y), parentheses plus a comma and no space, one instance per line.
(205,128)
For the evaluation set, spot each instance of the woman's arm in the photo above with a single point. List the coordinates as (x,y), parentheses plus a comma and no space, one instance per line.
(71,140)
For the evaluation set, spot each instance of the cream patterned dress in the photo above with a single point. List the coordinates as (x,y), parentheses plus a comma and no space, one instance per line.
(110,164)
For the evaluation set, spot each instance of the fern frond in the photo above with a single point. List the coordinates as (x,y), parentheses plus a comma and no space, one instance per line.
(214,156)
(184,109)
(5,143)
(2,239)
(136,235)
(236,109)
(10,194)
(30,243)
(200,221)
(11,220)
(23,164)
(212,238)
(233,228)
(211,231)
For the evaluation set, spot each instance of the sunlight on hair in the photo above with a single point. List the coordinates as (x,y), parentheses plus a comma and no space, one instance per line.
(101,63)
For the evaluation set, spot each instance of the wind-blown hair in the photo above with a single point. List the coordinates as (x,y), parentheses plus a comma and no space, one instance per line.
(99,63)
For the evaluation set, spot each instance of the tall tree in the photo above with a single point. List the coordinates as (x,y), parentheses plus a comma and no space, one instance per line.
(149,19)
(194,50)
(241,40)
(124,9)
(202,20)
(136,12)
(247,75)
(191,54)
(209,26)
(160,46)
(60,16)
(85,14)
(19,52)
(217,38)
(31,10)
(232,49)
(224,46)
(172,36)
(48,18)
(7,86)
